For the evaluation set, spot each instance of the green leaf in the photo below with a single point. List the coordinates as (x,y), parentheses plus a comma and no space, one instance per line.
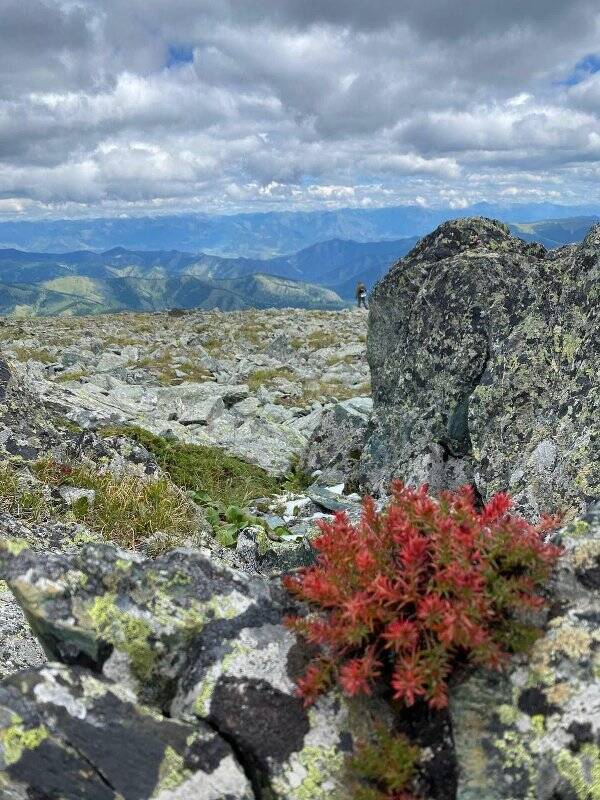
(226,535)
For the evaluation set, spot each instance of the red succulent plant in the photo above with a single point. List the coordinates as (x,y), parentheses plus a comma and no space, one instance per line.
(409,590)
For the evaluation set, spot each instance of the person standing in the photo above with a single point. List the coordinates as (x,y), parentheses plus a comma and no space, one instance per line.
(361,295)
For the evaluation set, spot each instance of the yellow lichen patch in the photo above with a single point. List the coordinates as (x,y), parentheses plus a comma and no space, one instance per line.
(578,529)
(125,631)
(16,738)
(172,772)
(559,694)
(566,640)
(586,554)
(207,687)
(507,715)
(582,771)
(14,545)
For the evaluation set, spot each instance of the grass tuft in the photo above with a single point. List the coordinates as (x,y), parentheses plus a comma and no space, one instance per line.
(125,510)
(206,470)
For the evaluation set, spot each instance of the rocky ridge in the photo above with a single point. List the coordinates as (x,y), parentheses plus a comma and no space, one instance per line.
(483,355)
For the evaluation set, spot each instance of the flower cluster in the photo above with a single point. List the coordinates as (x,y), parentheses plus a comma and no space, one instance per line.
(410,590)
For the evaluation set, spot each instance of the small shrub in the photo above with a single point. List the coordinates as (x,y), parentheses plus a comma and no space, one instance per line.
(408,592)
(381,769)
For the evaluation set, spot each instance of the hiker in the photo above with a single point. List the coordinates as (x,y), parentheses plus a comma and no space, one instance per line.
(361,295)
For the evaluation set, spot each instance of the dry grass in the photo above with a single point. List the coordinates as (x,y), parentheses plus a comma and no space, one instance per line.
(125,510)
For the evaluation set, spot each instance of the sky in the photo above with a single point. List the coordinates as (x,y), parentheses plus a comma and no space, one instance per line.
(120,107)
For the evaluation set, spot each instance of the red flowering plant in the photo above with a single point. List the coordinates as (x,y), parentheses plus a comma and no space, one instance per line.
(409,591)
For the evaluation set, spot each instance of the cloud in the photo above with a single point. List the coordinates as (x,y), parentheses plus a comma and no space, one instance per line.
(112,107)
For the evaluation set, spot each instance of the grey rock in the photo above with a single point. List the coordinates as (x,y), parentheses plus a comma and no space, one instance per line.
(18,647)
(68,734)
(336,444)
(534,731)
(333,501)
(203,412)
(485,361)
(206,644)
(71,495)
(4,378)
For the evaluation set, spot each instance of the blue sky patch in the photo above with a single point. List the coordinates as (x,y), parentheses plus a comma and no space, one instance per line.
(179,54)
(587,66)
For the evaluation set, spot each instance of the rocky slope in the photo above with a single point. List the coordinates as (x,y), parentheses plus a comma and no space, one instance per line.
(483,355)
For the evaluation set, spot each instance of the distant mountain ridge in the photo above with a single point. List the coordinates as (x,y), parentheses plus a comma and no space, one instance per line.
(78,295)
(323,275)
(555,232)
(261,235)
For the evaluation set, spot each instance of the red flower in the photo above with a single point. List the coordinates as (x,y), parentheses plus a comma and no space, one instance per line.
(408,682)
(357,675)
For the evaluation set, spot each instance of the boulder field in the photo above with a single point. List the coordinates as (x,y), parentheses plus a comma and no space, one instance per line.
(172,678)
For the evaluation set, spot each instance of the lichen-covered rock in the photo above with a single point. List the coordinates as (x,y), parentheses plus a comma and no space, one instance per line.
(66,734)
(19,649)
(485,362)
(336,444)
(207,645)
(533,733)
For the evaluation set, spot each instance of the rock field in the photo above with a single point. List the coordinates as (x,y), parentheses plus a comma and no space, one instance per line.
(142,640)
(253,382)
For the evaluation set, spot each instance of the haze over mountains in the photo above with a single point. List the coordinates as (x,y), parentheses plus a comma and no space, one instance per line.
(261,235)
(321,275)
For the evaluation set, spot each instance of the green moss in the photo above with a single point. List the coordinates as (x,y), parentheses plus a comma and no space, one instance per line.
(125,632)
(206,470)
(16,738)
(381,767)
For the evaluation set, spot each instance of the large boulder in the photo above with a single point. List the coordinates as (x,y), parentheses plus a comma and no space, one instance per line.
(66,734)
(205,645)
(534,731)
(485,362)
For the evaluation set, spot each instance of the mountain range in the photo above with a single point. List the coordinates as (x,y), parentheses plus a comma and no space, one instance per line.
(260,235)
(322,275)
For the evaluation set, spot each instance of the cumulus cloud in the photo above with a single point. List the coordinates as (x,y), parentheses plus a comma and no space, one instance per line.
(113,107)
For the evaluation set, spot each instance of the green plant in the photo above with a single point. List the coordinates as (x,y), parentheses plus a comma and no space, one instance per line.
(126,509)
(260,377)
(207,470)
(20,497)
(228,522)
(381,769)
